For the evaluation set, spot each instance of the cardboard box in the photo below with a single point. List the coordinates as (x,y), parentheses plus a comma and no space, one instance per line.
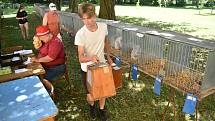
(117,76)
(100,81)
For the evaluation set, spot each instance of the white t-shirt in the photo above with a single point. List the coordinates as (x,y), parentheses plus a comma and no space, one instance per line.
(93,42)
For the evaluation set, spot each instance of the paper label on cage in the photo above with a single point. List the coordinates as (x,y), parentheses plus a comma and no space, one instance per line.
(106,69)
(135,68)
(158,79)
(191,98)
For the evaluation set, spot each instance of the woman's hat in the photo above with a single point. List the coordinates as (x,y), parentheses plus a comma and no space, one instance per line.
(42,30)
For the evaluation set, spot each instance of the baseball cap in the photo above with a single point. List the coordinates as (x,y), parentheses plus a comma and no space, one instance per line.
(52,7)
(42,30)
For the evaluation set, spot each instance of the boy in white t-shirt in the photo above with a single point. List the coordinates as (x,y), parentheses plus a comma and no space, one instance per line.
(92,42)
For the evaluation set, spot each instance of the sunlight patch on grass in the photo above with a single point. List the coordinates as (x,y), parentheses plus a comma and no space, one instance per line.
(11,27)
(126,74)
(75,116)
(137,86)
(9,16)
(165,104)
(162,104)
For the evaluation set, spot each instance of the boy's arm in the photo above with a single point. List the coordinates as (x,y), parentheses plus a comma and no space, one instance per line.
(107,50)
(83,58)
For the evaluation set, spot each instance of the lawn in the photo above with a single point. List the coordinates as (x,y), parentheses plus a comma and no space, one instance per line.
(135,101)
(189,21)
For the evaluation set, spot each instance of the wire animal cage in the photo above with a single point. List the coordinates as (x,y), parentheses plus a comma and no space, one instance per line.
(66,21)
(186,63)
(70,21)
(189,68)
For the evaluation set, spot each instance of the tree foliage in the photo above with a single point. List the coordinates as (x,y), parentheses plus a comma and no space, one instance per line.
(73,5)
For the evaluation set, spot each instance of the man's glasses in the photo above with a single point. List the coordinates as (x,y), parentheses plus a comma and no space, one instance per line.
(53,6)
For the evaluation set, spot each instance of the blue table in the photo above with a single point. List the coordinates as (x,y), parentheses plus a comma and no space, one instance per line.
(25,99)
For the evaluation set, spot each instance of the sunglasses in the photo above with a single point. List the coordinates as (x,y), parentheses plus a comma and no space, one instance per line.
(53,6)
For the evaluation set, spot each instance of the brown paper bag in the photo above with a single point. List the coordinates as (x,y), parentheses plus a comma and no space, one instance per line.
(100,81)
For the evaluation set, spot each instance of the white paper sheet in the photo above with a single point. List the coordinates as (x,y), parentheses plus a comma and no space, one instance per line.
(28,61)
(15,58)
(113,64)
(21,70)
(116,68)
(23,52)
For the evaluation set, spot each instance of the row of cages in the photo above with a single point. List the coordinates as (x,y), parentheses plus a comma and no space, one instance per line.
(184,66)
(188,67)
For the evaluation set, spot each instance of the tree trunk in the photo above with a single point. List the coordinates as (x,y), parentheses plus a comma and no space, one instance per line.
(107,9)
(73,6)
(57,3)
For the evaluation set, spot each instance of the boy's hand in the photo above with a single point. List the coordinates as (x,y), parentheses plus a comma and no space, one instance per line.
(110,62)
(95,59)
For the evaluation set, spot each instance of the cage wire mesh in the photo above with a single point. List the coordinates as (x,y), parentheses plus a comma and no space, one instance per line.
(182,69)
(182,65)
(66,21)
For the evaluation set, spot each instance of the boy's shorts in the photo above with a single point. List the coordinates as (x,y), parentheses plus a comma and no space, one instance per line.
(84,80)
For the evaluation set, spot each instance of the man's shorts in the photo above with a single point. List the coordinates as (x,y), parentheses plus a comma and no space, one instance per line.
(52,73)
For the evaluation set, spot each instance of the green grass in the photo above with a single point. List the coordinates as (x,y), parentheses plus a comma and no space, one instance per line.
(198,23)
(182,28)
(185,28)
(7,11)
(132,103)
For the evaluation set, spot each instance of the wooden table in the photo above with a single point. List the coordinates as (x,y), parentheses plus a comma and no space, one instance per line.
(33,69)
(26,99)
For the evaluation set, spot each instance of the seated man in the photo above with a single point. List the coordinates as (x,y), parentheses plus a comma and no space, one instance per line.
(51,54)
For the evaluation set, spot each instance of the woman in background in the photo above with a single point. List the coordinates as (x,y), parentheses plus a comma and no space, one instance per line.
(23,21)
(52,20)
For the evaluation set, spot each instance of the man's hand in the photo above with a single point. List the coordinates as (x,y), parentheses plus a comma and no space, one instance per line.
(34,59)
